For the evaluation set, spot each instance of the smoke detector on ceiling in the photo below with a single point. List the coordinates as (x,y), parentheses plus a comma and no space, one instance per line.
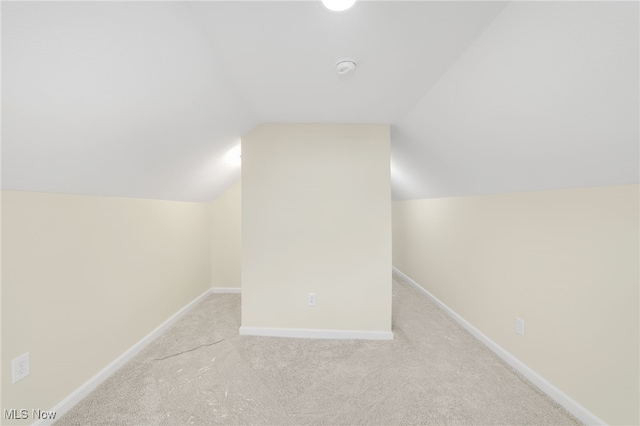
(345,66)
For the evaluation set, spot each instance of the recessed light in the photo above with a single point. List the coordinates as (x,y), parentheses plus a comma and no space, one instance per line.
(338,5)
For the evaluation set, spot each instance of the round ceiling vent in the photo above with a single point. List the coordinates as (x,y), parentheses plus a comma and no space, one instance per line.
(345,66)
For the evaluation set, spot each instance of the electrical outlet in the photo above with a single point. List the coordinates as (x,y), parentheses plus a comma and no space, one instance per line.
(520,326)
(311,300)
(20,367)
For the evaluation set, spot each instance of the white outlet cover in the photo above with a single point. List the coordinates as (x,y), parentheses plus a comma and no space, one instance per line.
(520,326)
(311,299)
(20,367)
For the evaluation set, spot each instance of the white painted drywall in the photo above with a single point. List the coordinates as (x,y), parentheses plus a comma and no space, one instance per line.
(226,239)
(85,278)
(565,261)
(282,55)
(316,217)
(547,97)
(129,99)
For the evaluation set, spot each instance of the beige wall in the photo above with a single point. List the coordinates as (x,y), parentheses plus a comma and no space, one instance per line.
(316,217)
(226,239)
(85,278)
(565,261)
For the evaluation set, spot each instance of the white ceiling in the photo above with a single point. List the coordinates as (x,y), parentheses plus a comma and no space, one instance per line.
(143,99)
(547,97)
(282,55)
(122,99)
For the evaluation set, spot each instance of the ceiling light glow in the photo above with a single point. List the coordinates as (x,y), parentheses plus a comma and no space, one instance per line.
(338,5)
(233,156)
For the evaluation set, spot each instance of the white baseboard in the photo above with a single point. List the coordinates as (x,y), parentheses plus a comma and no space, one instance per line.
(69,402)
(581,413)
(226,290)
(306,333)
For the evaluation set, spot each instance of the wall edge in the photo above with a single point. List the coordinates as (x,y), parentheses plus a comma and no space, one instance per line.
(80,393)
(568,403)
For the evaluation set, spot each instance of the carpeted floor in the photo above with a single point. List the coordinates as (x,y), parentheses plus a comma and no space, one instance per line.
(433,372)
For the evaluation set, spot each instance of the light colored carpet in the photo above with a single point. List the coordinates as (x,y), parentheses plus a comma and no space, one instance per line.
(433,372)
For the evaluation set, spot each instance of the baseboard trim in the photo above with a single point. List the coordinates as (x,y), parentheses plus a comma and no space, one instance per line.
(226,290)
(70,401)
(581,413)
(306,333)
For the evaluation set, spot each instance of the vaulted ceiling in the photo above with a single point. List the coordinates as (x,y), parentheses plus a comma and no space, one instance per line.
(144,99)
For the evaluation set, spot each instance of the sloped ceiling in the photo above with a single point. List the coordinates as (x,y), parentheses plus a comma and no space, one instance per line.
(144,99)
(115,98)
(546,98)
